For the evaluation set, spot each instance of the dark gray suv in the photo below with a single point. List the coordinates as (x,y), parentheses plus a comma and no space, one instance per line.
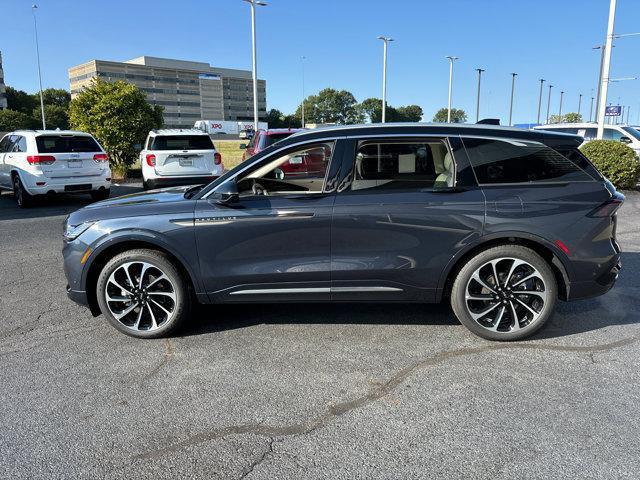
(499,222)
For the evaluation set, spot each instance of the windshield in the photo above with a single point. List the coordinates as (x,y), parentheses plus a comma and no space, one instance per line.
(182,142)
(268,140)
(635,133)
(66,144)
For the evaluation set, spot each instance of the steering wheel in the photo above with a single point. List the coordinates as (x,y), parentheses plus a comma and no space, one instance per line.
(258,189)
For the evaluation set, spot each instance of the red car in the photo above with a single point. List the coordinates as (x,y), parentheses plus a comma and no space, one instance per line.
(265,138)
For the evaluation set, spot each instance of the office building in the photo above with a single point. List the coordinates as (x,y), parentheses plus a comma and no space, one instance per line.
(188,91)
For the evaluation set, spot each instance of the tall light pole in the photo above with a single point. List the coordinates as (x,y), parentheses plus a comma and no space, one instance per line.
(601,48)
(35,29)
(606,65)
(451,60)
(253,4)
(540,100)
(549,102)
(302,61)
(628,110)
(513,87)
(385,41)
(591,108)
(560,108)
(579,103)
(479,70)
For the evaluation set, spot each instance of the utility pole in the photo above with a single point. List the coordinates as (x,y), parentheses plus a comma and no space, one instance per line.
(540,100)
(253,4)
(479,70)
(579,103)
(549,103)
(302,61)
(386,41)
(606,66)
(560,109)
(513,87)
(35,29)
(451,60)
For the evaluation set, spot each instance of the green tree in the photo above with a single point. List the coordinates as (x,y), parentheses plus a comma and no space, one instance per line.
(571,117)
(118,115)
(331,106)
(56,116)
(411,113)
(55,96)
(13,120)
(372,110)
(21,101)
(457,115)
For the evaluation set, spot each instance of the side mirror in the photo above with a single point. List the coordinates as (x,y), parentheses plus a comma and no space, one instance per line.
(243,146)
(626,140)
(278,173)
(227,193)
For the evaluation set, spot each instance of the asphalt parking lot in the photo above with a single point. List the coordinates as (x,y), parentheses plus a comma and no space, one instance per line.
(308,391)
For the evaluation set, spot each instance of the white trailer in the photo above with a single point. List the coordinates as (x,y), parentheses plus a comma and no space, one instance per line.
(226,126)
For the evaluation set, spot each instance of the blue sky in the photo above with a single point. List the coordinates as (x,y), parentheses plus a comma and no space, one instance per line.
(535,38)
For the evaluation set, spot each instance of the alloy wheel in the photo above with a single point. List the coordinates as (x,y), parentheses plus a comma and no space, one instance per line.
(505,295)
(140,296)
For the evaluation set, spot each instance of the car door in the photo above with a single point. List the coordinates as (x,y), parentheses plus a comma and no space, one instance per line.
(5,178)
(273,243)
(404,207)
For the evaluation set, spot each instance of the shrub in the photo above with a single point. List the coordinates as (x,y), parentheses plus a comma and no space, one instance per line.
(615,160)
(120,118)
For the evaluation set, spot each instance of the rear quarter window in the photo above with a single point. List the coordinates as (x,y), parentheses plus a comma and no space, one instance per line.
(66,144)
(520,161)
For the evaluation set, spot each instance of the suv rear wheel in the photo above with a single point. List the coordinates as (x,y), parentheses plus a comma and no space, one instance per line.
(506,292)
(23,198)
(143,294)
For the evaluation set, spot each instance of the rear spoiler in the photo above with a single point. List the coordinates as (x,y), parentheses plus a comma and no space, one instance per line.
(489,121)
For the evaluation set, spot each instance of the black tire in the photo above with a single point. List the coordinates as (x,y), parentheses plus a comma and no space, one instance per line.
(147,186)
(505,332)
(159,262)
(103,194)
(23,198)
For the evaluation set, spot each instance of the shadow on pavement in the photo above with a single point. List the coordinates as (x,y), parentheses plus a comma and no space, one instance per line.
(617,307)
(55,205)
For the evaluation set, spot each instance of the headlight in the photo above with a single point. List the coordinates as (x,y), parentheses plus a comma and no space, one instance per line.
(71,232)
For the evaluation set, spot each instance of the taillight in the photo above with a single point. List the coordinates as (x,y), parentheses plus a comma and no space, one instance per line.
(41,159)
(608,208)
(101,157)
(217,158)
(151,160)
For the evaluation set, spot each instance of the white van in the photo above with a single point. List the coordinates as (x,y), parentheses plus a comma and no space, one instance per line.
(588,131)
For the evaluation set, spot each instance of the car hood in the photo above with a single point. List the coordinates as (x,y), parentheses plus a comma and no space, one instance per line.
(153,202)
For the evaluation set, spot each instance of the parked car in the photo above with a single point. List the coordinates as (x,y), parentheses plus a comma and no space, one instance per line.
(498,222)
(262,139)
(588,131)
(179,157)
(37,162)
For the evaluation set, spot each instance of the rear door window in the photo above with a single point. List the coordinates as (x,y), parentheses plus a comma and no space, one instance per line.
(67,144)
(182,142)
(519,161)
(402,165)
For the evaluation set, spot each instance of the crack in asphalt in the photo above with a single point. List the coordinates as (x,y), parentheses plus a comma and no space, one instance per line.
(169,350)
(378,391)
(249,468)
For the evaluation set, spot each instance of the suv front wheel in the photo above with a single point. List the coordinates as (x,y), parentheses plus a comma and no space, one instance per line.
(143,294)
(504,293)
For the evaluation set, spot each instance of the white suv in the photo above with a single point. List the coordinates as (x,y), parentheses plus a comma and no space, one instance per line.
(53,161)
(588,131)
(179,157)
